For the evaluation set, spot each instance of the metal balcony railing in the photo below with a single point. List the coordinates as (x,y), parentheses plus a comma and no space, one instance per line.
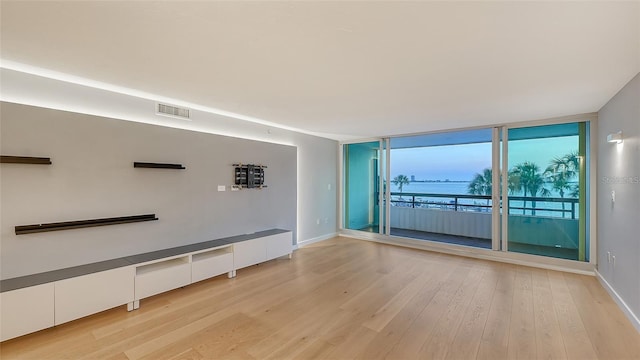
(551,206)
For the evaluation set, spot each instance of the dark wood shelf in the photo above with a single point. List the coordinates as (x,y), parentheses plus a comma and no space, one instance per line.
(158,166)
(68,225)
(4,159)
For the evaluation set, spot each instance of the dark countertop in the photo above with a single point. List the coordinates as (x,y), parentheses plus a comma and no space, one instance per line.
(61,274)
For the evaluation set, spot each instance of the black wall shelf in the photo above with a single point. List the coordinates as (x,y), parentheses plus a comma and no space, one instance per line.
(68,225)
(158,166)
(25,160)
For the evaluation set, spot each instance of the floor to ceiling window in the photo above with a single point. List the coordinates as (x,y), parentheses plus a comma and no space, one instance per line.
(546,183)
(511,189)
(441,187)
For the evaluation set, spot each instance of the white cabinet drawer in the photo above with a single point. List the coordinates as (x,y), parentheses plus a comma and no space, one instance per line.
(211,263)
(88,294)
(279,245)
(26,310)
(162,276)
(250,252)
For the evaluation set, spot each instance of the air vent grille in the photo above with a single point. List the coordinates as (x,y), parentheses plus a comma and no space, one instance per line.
(174,111)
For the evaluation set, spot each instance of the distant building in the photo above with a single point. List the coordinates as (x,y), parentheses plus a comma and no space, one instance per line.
(413,178)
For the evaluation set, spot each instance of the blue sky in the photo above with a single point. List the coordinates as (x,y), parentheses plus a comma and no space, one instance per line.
(462,162)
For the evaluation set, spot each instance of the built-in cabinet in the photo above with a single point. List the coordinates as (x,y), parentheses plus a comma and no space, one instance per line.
(211,263)
(161,276)
(32,308)
(278,245)
(85,295)
(255,251)
(249,253)
(27,310)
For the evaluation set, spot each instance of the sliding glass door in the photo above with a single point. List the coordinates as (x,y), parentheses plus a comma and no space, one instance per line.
(510,189)
(546,181)
(441,187)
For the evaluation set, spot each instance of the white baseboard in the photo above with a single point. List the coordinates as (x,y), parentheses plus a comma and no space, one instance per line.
(315,240)
(621,304)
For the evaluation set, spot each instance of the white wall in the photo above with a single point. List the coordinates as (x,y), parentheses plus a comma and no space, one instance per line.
(619,171)
(316,163)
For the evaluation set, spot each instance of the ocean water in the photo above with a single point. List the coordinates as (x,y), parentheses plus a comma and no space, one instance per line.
(456,188)
(461,188)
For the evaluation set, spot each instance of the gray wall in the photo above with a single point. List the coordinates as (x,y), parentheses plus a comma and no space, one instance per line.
(92,176)
(317,156)
(317,181)
(619,171)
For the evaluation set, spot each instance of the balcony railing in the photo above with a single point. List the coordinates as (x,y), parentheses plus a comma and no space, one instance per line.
(547,206)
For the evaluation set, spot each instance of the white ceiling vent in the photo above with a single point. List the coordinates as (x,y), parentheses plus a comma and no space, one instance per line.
(173,111)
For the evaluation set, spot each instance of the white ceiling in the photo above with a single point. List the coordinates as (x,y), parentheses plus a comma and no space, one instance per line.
(348,69)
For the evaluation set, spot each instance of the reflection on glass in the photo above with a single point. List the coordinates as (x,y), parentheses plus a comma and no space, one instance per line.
(546,191)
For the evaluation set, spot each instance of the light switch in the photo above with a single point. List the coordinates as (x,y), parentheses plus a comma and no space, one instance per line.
(222,188)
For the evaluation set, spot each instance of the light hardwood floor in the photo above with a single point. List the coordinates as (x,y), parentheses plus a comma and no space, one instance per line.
(352,299)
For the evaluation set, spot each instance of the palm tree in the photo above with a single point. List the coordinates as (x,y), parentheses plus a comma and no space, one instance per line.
(400,181)
(527,177)
(481,184)
(516,183)
(537,184)
(575,191)
(573,160)
(513,182)
(560,172)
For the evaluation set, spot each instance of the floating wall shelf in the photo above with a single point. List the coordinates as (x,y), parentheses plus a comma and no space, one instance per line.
(68,225)
(25,160)
(158,166)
